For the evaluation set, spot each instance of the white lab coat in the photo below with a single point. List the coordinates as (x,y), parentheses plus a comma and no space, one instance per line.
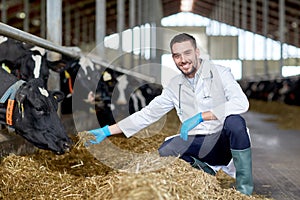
(215,90)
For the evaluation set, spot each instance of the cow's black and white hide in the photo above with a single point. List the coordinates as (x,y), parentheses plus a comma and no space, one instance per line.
(292,95)
(81,77)
(119,95)
(26,61)
(34,115)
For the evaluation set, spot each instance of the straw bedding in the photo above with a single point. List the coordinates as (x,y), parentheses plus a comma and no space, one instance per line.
(125,169)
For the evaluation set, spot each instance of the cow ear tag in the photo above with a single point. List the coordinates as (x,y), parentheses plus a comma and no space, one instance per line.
(6,68)
(9,111)
(106,76)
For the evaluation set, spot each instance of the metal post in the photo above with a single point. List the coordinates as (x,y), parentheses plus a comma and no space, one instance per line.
(265,32)
(54,30)
(253,29)
(140,32)
(26,19)
(132,24)
(43,18)
(100,26)
(3,11)
(281,32)
(237,13)
(67,33)
(120,28)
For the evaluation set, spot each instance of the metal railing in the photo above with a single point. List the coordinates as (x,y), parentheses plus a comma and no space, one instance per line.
(20,35)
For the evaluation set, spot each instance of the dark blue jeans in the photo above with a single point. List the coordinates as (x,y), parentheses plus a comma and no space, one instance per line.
(213,149)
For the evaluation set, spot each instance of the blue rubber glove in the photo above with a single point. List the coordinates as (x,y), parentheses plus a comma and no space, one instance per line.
(100,134)
(189,124)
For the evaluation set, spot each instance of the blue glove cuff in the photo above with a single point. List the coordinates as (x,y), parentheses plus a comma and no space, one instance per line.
(106,131)
(200,117)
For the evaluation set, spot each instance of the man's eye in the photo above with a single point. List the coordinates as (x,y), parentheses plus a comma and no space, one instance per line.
(188,53)
(176,56)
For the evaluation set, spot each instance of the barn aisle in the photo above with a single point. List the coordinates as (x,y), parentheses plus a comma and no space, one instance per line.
(276,158)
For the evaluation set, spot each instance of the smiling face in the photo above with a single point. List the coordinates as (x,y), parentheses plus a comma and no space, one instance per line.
(186,57)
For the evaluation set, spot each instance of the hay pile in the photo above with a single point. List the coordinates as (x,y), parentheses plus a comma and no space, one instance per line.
(29,177)
(284,115)
(140,174)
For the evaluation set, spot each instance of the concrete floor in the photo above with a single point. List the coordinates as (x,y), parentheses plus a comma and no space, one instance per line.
(276,158)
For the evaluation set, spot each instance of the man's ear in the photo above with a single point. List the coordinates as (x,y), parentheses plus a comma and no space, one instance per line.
(58,95)
(198,52)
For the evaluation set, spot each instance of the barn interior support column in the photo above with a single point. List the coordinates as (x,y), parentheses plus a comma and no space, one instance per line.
(77,29)
(132,6)
(3,11)
(43,18)
(237,13)
(54,34)
(157,37)
(281,32)
(84,31)
(140,10)
(244,27)
(100,30)
(253,29)
(27,13)
(67,32)
(265,33)
(120,28)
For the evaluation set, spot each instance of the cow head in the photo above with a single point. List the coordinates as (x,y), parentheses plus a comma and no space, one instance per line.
(35,117)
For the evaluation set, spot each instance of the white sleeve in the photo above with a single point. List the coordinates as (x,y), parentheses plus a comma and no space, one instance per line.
(157,108)
(236,101)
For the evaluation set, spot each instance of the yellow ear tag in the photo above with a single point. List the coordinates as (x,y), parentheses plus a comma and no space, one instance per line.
(6,68)
(106,76)
(67,75)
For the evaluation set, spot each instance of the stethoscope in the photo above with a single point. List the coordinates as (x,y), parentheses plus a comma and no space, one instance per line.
(206,95)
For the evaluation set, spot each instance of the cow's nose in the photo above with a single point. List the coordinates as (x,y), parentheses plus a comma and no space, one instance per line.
(66,146)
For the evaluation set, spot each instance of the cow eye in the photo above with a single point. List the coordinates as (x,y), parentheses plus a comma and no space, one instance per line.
(39,111)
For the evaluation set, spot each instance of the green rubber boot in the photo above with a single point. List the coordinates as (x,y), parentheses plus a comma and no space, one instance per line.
(202,166)
(243,163)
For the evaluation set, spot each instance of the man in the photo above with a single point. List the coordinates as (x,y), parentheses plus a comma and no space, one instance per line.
(208,102)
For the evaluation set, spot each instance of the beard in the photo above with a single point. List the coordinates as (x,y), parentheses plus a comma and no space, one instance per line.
(192,70)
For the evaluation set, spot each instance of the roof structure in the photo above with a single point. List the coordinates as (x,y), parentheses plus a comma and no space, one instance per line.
(244,14)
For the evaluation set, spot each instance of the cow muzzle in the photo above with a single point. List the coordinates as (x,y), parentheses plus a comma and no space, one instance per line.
(64,147)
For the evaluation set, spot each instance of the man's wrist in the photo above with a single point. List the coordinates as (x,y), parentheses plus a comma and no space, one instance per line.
(106,131)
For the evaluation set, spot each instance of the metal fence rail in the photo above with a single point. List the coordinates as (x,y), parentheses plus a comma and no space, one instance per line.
(20,35)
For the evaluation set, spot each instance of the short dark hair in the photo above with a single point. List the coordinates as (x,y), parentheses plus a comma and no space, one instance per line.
(182,37)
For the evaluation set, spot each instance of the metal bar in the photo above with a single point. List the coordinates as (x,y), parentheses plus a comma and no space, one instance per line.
(27,37)
(97,60)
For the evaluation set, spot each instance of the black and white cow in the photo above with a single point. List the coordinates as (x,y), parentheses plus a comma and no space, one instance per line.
(79,76)
(32,111)
(119,95)
(108,93)
(26,61)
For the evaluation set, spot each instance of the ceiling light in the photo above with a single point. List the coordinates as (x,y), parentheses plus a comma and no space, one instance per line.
(186,5)
(21,15)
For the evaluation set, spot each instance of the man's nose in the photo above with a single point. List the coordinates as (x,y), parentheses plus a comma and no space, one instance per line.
(183,58)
